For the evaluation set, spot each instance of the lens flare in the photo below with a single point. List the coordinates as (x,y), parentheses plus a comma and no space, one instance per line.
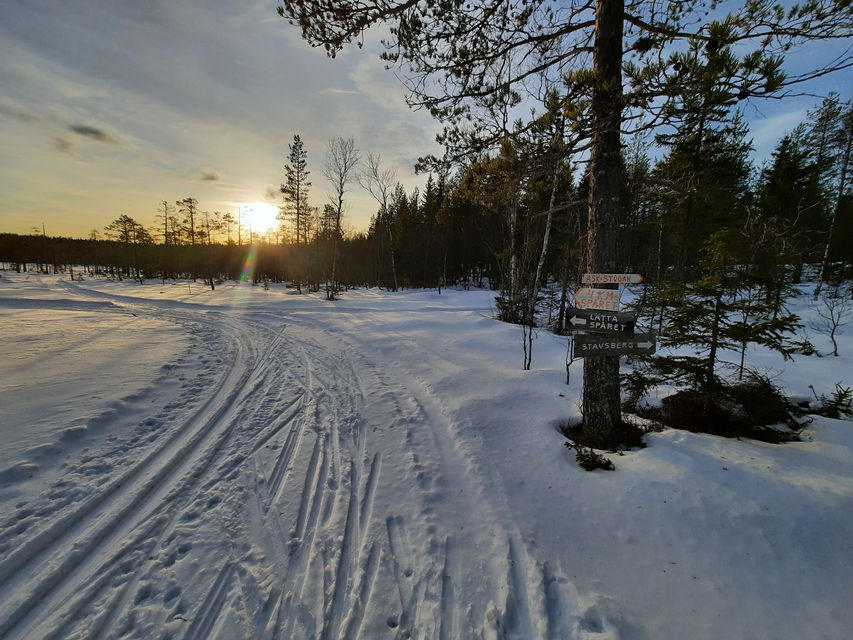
(249,264)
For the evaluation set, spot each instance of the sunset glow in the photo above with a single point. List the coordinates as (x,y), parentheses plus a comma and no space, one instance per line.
(259,216)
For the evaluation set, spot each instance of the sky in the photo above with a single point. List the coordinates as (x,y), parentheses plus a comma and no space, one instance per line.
(111,106)
(108,107)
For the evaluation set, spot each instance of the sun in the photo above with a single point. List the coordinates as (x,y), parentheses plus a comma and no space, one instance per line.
(259,216)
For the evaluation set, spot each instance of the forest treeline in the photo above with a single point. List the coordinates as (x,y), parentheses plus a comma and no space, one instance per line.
(513,220)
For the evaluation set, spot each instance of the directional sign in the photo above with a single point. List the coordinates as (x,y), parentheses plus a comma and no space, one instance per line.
(605,299)
(602,321)
(611,278)
(636,345)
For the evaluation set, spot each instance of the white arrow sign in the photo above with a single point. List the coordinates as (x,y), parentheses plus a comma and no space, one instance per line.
(599,345)
(602,321)
(611,278)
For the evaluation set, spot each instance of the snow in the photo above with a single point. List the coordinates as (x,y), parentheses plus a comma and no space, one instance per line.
(180,462)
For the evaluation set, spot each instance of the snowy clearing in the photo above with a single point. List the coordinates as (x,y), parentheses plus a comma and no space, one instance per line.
(245,463)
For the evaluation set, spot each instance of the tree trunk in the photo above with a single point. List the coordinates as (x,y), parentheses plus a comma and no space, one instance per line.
(711,362)
(332,290)
(331,293)
(564,296)
(601,404)
(824,266)
(391,249)
(512,303)
(543,254)
(797,275)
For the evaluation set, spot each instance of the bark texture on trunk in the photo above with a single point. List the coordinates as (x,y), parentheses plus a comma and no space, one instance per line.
(842,186)
(601,402)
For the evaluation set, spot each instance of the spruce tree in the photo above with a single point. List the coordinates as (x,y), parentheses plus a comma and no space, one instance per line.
(829,136)
(789,190)
(722,310)
(702,183)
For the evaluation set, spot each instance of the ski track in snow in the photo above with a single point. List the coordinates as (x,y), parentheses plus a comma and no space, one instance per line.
(305,493)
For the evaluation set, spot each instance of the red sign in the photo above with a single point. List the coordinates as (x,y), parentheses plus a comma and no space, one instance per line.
(605,299)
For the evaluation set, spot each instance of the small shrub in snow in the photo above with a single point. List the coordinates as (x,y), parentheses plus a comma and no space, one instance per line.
(588,459)
(834,311)
(838,405)
(759,400)
(631,436)
(754,408)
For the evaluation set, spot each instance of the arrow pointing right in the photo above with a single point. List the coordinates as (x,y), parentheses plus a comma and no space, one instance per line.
(591,345)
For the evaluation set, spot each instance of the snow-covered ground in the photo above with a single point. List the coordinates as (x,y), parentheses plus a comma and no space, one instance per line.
(245,463)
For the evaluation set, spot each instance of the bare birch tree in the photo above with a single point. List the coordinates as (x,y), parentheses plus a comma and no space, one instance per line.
(379,183)
(342,160)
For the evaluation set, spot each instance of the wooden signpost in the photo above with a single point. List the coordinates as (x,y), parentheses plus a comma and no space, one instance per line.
(611,278)
(607,299)
(602,321)
(598,311)
(602,345)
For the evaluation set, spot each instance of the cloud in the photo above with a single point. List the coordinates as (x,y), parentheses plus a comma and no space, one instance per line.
(16,113)
(209,176)
(63,145)
(272,193)
(380,86)
(92,132)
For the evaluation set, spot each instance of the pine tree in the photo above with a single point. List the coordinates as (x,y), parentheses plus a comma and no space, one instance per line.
(169,224)
(188,207)
(296,208)
(228,222)
(295,189)
(130,234)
